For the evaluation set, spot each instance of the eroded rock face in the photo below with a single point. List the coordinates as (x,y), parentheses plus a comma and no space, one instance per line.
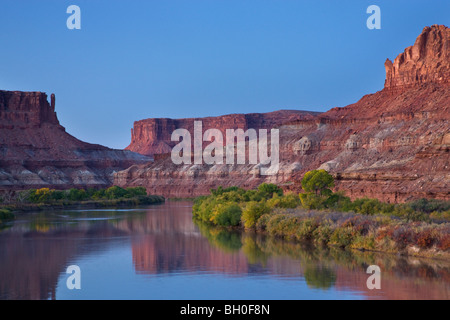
(26,109)
(392,145)
(428,60)
(153,136)
(35,150)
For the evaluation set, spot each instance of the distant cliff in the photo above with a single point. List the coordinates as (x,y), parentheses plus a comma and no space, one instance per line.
(153,136)
(36,151)
(393,145)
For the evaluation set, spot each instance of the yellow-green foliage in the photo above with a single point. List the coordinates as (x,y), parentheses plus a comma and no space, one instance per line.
(318,182)
(226,214)
(252,212)
(361,224)
(289,200)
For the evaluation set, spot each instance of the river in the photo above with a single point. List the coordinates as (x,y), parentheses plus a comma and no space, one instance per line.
(158,252)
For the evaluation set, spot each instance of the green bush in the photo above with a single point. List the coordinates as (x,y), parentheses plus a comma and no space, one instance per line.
(312,201)
(227,214)
(430,205)
(252,212)
(268,190)
(132,192)
(115,192)
(77,195)
(286,201)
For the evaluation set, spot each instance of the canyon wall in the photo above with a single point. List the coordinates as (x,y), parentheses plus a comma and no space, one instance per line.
(392,145)
(36,151)
(153,136)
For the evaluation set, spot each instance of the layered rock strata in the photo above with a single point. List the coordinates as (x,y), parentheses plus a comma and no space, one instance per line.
(392,145)
(36,151)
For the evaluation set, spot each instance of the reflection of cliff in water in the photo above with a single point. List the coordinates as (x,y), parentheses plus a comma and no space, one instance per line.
(32,257)
(241,254)
(36,250)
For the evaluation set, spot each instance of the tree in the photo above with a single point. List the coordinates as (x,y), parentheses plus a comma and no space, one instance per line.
(318,181)
(269,189)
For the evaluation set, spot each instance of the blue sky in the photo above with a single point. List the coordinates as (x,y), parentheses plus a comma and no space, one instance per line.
(133,60)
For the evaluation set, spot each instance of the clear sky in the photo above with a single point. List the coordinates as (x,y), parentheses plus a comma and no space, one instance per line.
(136,59)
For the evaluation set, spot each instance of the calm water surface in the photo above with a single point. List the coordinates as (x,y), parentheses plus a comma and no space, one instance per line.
(159,253)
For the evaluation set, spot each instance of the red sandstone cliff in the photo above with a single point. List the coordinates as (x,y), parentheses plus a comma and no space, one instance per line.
(426,61)
(153,136)
(393,145)
(35,150)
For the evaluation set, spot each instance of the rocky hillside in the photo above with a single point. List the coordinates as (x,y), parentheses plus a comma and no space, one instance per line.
(393,145)
(36,151)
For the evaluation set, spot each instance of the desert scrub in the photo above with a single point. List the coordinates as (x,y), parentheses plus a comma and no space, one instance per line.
(307,228)
(322,234)
(420,226)
(342,237)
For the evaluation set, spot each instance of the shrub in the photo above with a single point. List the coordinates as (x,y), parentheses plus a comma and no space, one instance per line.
(307,228)
(443,215)
(363,242)
(339,202)
(77,195)
(322,234)
(42,195)
(132,192)
(268,190)
(426,238)
(312,201)
(203,208)
(342,237)
(430,205)
(444,242)
(227,214)
(286,201)
(115,192)
(274,223)
(261,224)
(403,236)
(57,195)
(252,212)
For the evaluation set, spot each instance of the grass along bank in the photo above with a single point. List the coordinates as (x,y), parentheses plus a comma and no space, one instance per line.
(419,228)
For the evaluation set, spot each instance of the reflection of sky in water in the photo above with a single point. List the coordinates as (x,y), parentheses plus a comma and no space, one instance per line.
(111,275)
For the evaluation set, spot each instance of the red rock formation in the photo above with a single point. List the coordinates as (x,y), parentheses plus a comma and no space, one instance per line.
(428,60)
(35,150)
(392,145)
(26,109)
(153,136)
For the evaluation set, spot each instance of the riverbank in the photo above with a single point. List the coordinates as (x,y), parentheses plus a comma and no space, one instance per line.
(89,204)
(48,199)
(367,225)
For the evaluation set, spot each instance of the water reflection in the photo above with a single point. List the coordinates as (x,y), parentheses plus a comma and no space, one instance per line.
(163,241)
